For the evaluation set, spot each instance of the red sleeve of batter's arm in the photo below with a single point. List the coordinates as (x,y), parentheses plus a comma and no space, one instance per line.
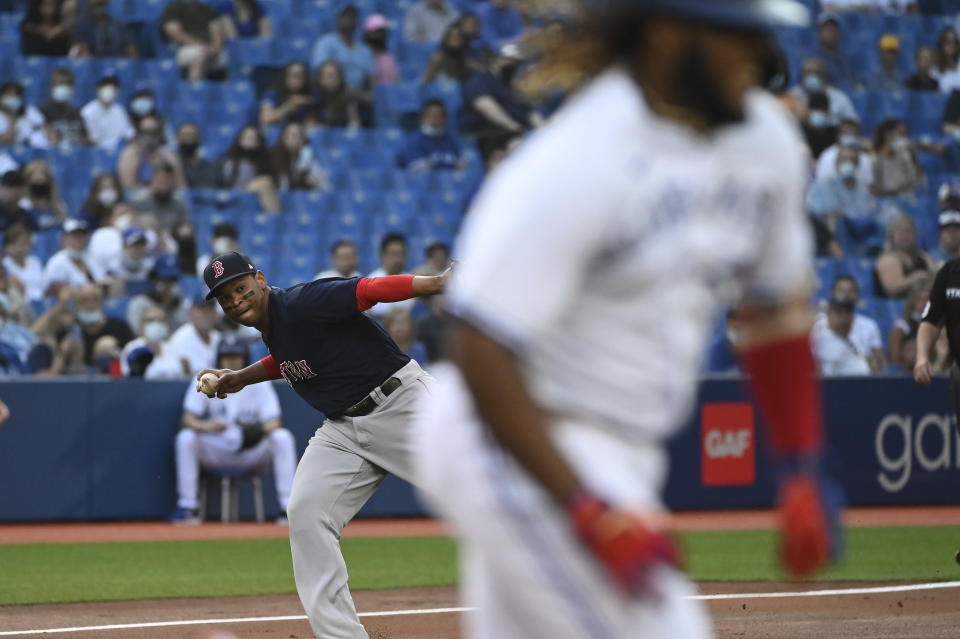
(783,377)
(271,365)
(390,288)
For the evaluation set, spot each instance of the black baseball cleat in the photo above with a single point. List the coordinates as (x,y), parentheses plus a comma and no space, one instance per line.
(957,556)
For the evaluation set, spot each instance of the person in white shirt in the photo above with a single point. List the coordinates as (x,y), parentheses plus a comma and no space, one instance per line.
(814,80)
(194,345)
(140,353)
(344,257)
(106,121)
(71,265)
(19,263)
(864,332)
(848,135)
(106,243)
(393,261)
(835,349)
(20,123)
(242,431)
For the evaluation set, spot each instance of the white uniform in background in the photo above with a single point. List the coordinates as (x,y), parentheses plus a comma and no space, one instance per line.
(601,252)
(255,403)
(186,345)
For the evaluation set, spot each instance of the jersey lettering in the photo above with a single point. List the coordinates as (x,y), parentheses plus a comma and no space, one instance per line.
(298,371)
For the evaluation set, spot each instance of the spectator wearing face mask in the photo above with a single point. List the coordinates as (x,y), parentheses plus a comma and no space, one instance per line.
(864,331)
(131,270)
(199,172)
(246,165)
(21,265)
(143,104)
(71,265)
(42,199)
(106,243)
(106,121)
(224,239)
(432,146)
(848,135)
(164,293)
(140,353)
(20,123)
(818,128)
(64,125)
(896,170)
(95,324)
(375,34)
(844,199)
(104,193)
(144,157)
(813,81)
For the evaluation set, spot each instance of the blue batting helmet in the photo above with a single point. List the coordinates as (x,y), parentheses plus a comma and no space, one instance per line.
(734,14)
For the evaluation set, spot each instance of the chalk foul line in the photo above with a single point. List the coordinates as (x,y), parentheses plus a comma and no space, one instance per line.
(833,592)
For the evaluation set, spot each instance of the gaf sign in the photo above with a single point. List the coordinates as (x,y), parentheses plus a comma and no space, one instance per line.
(727,455)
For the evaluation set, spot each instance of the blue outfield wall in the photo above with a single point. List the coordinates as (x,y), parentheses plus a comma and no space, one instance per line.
(103,450)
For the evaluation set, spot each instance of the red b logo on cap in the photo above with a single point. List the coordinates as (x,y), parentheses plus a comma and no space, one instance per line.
(217,269)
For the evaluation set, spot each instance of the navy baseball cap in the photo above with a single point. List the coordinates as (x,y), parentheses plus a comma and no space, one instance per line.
(232,345)
(133,235)
(735,14)
(166,267)
(224,268)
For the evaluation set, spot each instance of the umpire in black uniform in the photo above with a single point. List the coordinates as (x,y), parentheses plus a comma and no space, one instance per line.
(942,309)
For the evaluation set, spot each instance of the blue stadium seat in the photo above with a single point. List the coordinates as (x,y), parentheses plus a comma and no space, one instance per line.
(861,269)
(396,101)
(826,272)
(311,205)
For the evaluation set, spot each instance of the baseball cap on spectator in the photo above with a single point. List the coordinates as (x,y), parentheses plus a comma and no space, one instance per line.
(134,235)
(842,303)
(828,17)
(889,42)
(224,268)
(948,217)
(74,226)
(946,194)
(166,267)
(12,178)
(375,22)
(108,77)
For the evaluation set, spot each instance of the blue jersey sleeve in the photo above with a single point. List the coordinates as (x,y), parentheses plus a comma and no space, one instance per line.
(326,300)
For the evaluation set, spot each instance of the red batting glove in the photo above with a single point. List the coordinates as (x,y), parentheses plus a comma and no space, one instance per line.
(805,542)
(623,544)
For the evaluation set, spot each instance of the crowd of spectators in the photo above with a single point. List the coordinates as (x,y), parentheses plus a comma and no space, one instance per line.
(116,294)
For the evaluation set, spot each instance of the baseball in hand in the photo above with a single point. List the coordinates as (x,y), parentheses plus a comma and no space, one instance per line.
(208,384)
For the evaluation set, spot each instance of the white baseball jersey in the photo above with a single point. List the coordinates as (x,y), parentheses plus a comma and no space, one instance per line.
(602,250)
(254,403)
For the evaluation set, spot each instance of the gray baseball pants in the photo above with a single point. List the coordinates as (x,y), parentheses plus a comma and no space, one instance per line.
(345,462)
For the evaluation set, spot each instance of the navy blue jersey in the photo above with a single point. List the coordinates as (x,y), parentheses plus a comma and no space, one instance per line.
(332,354)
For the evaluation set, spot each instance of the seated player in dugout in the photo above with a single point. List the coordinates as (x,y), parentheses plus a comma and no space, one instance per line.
(345,365)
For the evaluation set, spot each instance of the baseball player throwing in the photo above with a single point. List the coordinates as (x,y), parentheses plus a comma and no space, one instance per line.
(347,367)
(668,189)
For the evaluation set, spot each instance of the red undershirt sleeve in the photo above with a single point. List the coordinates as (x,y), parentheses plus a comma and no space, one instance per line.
(390,288)
(271,365)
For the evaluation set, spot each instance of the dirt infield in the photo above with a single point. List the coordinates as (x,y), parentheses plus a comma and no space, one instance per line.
(926,614)
(161,531)
(931,614)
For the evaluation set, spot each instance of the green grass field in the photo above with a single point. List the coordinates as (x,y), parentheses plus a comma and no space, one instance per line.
(49,573)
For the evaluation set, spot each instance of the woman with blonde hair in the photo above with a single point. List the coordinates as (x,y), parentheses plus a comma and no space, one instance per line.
(42,198)
(903,264)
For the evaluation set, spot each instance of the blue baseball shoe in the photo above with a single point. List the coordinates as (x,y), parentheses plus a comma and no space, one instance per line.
(185,516)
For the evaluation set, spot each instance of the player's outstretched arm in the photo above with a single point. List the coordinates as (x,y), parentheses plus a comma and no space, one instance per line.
(396,288)
(625,546)
(775,349)
(229,381)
